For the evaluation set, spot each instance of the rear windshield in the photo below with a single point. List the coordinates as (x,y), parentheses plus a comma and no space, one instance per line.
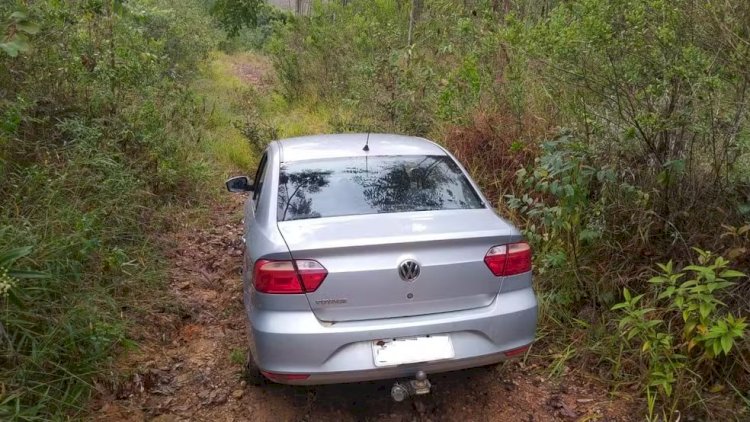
(369,185)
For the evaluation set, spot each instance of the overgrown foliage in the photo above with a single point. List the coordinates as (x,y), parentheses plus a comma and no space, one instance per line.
(234,15)
(98,131)
(615,133)
(689,307)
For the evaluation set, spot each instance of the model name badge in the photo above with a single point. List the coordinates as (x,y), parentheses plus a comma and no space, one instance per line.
(330,301)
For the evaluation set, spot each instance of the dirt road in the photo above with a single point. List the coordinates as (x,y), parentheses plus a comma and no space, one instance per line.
(189,362)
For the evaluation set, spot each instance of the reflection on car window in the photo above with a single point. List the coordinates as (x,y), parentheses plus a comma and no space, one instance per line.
(368,185)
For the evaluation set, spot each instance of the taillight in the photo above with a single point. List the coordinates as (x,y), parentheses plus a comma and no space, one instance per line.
(281,277)
(510,259)
(311,273)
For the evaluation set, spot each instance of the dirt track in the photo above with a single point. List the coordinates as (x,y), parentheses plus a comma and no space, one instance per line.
(188,366)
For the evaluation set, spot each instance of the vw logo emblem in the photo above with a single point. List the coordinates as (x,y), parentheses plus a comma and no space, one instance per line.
(409,270)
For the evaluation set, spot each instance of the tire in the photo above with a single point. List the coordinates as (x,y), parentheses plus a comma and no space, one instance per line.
(252,374)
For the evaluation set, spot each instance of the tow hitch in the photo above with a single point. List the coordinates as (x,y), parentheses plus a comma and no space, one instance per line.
(416,387)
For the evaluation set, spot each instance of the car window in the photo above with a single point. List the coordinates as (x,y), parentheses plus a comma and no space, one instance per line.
(259,176)
(373,184)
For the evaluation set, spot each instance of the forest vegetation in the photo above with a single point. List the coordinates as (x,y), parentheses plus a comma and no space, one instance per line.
(614,133)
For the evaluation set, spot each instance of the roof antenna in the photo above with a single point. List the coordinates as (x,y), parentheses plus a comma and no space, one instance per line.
(367,143)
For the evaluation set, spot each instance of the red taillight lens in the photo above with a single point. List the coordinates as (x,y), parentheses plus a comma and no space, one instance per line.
(276,277)
(510,259)
(284,377)
(518,351)
(311,273)
(281,277)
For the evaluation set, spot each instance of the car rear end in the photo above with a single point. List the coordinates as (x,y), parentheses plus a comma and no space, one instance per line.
(392,264)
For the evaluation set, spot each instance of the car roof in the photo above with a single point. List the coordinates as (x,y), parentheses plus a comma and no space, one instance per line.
(351,145)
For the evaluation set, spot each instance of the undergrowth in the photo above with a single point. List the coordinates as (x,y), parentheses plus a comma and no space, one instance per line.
(101,138)
(613,133)
(226,100)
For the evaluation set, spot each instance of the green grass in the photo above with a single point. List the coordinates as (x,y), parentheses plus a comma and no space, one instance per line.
(235,105)
(96,220)
(237,356)
(296,119)
(226,99)
(82,217)
(94,190)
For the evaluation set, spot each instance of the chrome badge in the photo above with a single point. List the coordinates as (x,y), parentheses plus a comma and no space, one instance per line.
(409,270)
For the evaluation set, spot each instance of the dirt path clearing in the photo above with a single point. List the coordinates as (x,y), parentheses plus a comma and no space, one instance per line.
(189,361)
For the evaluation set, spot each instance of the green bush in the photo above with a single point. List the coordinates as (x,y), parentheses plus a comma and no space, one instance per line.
(657,89)
(99,132)
(678,331)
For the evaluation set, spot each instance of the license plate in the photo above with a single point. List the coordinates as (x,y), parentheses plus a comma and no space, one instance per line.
(399,351)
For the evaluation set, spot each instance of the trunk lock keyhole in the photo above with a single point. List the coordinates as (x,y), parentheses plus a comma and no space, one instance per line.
(410,296)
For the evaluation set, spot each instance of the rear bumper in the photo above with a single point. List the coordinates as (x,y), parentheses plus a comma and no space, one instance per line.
(295,342)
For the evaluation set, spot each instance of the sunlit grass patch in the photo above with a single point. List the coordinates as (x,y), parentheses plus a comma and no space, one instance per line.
(226,99)
(299,120)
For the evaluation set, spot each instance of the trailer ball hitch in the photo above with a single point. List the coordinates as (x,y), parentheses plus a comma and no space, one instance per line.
(416,387)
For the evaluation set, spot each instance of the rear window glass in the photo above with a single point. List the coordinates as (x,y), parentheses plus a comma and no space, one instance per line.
(369,185)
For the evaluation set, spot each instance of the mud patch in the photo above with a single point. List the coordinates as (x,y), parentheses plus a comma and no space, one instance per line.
(253,70)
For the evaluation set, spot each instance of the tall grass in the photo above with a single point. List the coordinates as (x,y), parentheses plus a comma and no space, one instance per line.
(227,99)
(245,112)
(101,134)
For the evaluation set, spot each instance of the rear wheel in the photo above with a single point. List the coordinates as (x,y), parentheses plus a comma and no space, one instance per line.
(252,373)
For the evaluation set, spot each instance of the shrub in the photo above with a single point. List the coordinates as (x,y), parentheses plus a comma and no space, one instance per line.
(678,331)
(99,132)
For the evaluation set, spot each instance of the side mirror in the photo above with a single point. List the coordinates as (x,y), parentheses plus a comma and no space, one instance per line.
(239,184)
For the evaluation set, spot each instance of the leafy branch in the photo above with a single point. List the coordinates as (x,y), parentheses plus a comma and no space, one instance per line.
(17,31)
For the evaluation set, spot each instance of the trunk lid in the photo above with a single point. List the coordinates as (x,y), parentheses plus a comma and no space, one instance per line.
(362,254)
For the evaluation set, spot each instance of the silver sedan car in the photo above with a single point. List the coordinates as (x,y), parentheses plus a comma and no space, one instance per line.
(376,256)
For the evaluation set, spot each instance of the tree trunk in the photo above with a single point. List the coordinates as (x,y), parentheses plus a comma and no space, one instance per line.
(414,13)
